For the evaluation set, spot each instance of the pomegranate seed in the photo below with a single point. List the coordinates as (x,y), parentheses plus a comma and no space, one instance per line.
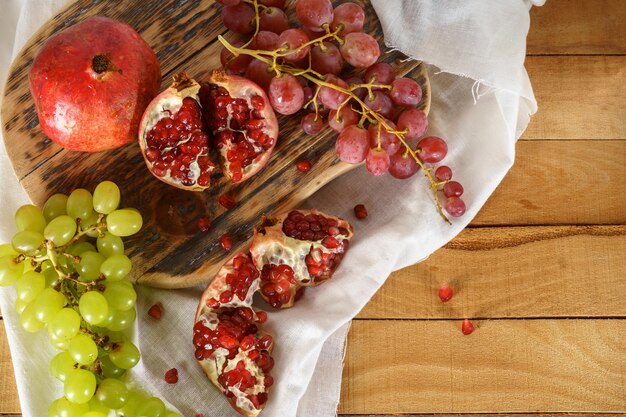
(156,311)
(264,342)
(467,327)
(360,211)
(171,376)
(226,201)
(226,241)
(253,354)
(261,317)
(304,166)
(226,297)
(268,381)
(445,293)
(204,224)
(199,415)
(247,342)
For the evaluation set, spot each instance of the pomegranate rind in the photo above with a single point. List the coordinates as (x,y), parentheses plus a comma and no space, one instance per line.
(239,87)
(168,101)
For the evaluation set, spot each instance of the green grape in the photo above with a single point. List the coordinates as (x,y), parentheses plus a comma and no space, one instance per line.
(109,369)
(116,267)
(90,222)
(125,355)
(64,408)
(29,217)
(20,305)
(121,320)
(80,204)
(106,197)
(81,247)
(55,206)
(29,286)
(47,304)
(95,414)
(7,249)
(80,385)
(27,242)
(83,349)
(172,414)
(51,277)
(135,398)
(60,344)
(120,294)
(110,245)
(10,271)
(93,307)
(96,407)
(61,365)
(29,320)
(124,222)
(65,324)
(89,265)
(112,393)
(152,407)
(60,230)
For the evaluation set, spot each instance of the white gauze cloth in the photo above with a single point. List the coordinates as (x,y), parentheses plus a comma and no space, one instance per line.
(481,103)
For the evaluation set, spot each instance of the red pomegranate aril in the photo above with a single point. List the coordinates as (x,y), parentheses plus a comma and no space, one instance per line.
(253,354)
(226,241)
(467,327)
(156,311)
(443,173)
(360,211)
(268,381)
(226,297)
(204,224)
(304,166)
(247,342)
(261,317)
(445,293)
(171,376)
(227,341)
(453,189)
(265,342)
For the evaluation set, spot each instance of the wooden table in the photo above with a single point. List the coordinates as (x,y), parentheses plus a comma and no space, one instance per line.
(541,270)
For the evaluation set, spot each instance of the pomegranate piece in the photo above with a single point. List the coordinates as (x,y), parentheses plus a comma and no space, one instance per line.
(234,284)
(300,248)
(156,311)
(90,90)
(237,113)
(171,376)
(172,142)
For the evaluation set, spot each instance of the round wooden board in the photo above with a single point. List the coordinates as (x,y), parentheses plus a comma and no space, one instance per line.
(170,251)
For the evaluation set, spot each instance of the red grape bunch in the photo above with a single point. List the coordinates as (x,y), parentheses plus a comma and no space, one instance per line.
(329,67)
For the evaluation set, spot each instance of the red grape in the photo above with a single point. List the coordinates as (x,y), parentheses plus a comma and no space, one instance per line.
(327,60)
(265,41)
(273,3)
(312,124)
(453,189)
(261,73)
(229,2)
(273,19)
(380,103)
(432,149)
(347,117)
(351,16)
(377,161)
(415,121)
(352,145)
(234,65)
(402,165)
(360,92)
(406,92)
(292,39)
(330,97)
(388,141)
(443,173)
(314,14)
(454,206)
(380,73)
(286,94)
(360,50)
(239,18)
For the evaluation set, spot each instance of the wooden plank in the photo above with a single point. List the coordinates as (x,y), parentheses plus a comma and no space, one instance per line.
(580,97)
(492,415)
(561,182)
(505,366)
(578,27)
(495,272)
(9,402)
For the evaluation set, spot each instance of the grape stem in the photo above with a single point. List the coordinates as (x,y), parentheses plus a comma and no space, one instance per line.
(270,58)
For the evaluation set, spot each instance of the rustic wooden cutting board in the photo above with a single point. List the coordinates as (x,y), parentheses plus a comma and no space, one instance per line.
(170,251)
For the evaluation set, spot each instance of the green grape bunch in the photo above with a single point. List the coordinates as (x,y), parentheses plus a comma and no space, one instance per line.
(69,270)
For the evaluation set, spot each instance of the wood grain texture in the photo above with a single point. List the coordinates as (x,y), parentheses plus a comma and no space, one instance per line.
(578,27)
(521,272)
(9,402)
(560,182)
(573,106)
(171,251)
(504,366)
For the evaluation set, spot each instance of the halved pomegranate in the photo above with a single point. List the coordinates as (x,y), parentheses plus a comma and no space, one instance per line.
(298,249)
(171,139)
(238,115)
(229,345)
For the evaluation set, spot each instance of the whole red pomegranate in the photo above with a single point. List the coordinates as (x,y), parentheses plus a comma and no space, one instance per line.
(91,84)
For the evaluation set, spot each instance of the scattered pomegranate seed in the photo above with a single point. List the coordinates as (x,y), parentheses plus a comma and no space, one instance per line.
(226,241)
(171,376)
(156,311)
(261,317)
(360,211)
(204,224)
(226,201)
(445,293)
(467,327)
(304,166)
(199,415)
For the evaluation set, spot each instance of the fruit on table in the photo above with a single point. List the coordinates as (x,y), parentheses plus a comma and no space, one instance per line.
(91,83)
